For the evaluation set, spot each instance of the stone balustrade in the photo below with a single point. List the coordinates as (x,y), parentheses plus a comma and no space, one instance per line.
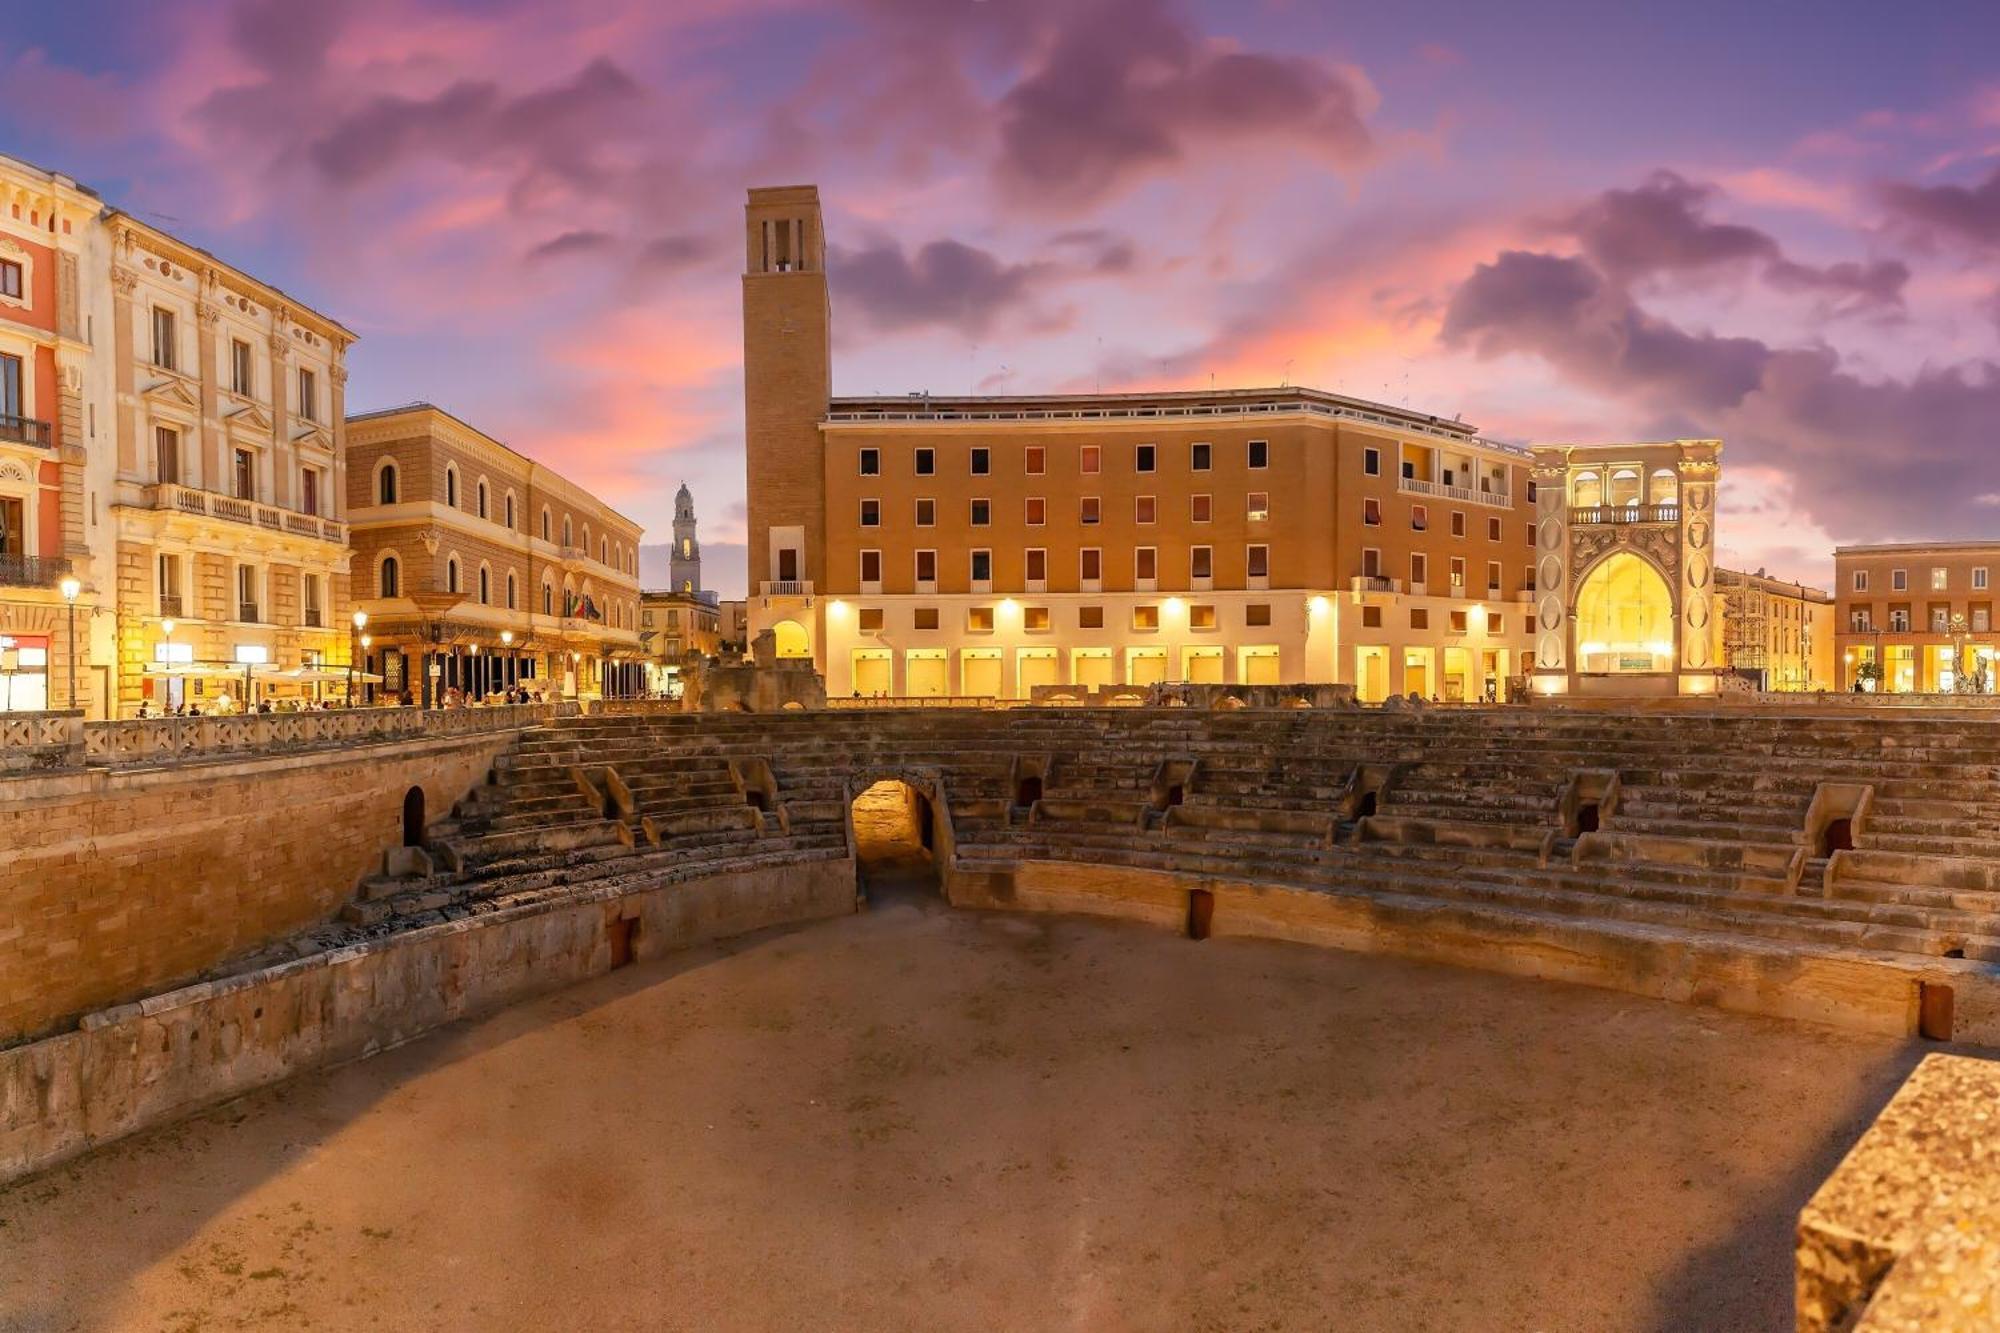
(48,742)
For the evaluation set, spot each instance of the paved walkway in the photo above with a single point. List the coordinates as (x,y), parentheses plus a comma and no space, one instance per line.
(922,1119)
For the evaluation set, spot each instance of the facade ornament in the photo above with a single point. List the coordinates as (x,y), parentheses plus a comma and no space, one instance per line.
(207,312)
(124,281)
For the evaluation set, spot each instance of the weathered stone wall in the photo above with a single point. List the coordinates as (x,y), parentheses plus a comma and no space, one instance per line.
(148,1063)
(119,883)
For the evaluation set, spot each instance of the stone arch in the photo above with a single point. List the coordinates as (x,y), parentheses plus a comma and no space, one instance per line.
(791,640)
(388,481)
(1624,609)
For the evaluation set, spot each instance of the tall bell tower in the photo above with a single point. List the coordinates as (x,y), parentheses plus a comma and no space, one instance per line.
(684,567)
(787,382)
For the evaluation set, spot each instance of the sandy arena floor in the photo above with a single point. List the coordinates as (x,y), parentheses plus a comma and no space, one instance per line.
(921,1119)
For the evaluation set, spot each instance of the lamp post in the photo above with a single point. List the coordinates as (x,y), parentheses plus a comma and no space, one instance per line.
(575,675)
(360,622)
(472,675)
(70,588)
(366,640)
(507,646)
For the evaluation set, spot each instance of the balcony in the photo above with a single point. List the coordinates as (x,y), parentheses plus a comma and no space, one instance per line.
(1373,583)
(786,588)
(247,612)
(24,430)
(32,571)
(1591,514)
(211,504)
(1465,494)
(170,606)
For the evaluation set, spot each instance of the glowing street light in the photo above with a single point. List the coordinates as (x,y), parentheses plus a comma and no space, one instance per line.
(70,588)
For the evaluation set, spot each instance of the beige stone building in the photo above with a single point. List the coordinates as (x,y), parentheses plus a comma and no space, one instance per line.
(672,624)
(980,546)
(1923,611)
(1774,634)
(227,501)
(56,554)
(480,568)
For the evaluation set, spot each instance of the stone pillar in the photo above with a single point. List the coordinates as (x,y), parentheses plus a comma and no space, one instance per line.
(1551,665)
(215,465)
(1697,469)
(123,283)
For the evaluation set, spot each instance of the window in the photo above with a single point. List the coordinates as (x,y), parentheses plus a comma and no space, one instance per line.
(982,565)
(1036,564)
(545,523)
(1038,511)
(1035,619)
(870,619)
(1371,512)
(1144,458)
(485,586)
(982,461)
(1146,562)
(1259,566)
(927,566)
(871,566)
(1531,492)
(391,580)
(1492,576)
(1200,457)
(548,599)
(979,619)
(1145,617)
(510,512)
(871,462)
(167,454)
(510,592)
(1144,509)
(240,367)
(1458,522)
(385,485)
(451,497)
(1090,460)
(1493,530)
(568,532)
(1259,506)
(1419,568)
(1090,509)
(1458,622)
(1899,580)
(451,575)
(1494,623)
(927,513)
(246,593)
(245,474)
(1090,564)
(1861,580)
(871,513)
(1371,617)
(163,338)
(1940,579)
(1200,508)
(1257,613)
(1371,462)
(924,617)
(479,497)
(1420,518)
(982,513)
(308,395)
(1260,453)
(170,584)
(1982,619)
(1899,619)
(1457,572)
(1529,528)
(10,278)
(1036,460)
(1371,562)
(926,462)
(1090,617)
(1419,618)
(1201,562)
(309,490)
(1979,579)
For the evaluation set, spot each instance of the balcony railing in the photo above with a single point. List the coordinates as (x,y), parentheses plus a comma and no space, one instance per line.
(1417,486)
(24,430)
(247,612)
(170,606)
(313,618)
(213,504)
(32,571)
(786,587)
(1626,514)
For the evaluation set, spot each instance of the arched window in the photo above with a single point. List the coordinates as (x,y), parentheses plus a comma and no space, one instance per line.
(451,487)
(1589,489)
(451,575)
(510,592)
(392,577)
(548,599)
(510,511)
(1662,488)
(481,493)
(566,531)
(485,586)
(603,551)
(545,523)
(1624,488)
(385,484)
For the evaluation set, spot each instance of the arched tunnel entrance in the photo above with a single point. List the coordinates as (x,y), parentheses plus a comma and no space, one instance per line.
(895,833)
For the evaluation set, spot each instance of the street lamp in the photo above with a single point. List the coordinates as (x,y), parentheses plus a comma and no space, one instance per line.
(507,643)
(366,640)
(70,588)
(575,676)
(360,621)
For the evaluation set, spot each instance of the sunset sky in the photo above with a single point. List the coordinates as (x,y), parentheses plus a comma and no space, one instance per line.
(1778,224)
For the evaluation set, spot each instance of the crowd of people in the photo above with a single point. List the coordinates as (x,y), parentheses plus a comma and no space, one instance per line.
(222,705)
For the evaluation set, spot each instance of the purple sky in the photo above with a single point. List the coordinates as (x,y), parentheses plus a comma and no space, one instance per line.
(1778,223)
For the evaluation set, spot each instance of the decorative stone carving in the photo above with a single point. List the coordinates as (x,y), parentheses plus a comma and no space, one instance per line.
(123,280)
(1661,544)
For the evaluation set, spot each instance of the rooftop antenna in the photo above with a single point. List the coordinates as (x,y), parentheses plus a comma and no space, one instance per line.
(1287,380)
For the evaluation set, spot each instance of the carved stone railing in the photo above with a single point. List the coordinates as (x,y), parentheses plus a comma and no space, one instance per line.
(45,742)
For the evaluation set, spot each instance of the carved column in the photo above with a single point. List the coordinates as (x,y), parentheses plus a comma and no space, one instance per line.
(1697,468)
(123,283)
(215,466)
(1552,567)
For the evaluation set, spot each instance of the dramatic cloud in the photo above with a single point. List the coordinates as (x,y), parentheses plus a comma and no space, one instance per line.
(1128,87)
(573,243)
(1968,214)
(945,284)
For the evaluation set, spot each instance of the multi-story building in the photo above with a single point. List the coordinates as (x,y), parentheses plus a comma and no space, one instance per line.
(672,624)
(734,625)
(479,568)
(982,546)
(1922,611)
(226,506)
(55,560)
(1774,634)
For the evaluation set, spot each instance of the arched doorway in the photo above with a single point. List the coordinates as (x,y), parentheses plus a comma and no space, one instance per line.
(791,638)
(895,836)
(1625,618)
(413,817)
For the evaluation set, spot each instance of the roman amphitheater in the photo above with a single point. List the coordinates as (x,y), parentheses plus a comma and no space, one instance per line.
(1549,1016)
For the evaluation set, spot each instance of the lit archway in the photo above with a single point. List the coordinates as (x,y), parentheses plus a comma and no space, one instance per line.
(1625,617)
(791,639)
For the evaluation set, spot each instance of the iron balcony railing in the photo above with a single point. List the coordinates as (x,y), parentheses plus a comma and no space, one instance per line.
(247,612)
(1626,514)
(24,430)
(170,606)
(33,571)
